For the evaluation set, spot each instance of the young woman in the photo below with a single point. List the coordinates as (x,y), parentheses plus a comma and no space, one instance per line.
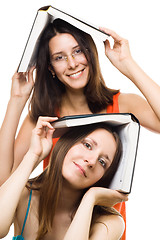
(69,200)
(68,82)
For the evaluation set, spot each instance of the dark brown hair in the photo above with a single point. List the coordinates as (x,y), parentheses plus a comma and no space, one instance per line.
(48,91)
(49,183)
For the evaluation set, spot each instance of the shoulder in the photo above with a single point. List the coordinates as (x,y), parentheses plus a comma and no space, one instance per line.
(26,127)
(24,199)
(128,101)
(25,131)
(28,122)
(22,209)
(104,227)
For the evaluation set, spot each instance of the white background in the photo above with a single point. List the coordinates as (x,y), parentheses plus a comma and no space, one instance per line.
(138,21)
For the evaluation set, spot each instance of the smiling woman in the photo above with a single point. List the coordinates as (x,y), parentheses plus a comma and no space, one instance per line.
(78,76)
(81,167)
(68,62)
(91,157)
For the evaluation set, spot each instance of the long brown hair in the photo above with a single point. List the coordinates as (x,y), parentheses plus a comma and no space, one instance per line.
(49,183)
(48,91)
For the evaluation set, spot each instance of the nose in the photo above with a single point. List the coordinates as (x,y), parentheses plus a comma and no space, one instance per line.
(91,161)
(72,63)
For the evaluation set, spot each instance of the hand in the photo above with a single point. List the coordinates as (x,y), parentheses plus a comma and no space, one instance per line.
(106,197)
(41,140)
(120,54)
(22,84)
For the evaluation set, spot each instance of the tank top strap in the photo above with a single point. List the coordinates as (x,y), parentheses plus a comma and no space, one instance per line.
(29,203)
(20,237)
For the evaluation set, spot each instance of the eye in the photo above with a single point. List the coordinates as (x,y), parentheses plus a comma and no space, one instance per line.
(87,145)
(78,51)
(58,58)
(102,162)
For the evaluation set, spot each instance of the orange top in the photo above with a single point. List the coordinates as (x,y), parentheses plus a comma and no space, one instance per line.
(120,207)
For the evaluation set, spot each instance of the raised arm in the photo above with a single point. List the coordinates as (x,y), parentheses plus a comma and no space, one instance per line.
(10,191)
(148,112)
(22,85)
(81,224)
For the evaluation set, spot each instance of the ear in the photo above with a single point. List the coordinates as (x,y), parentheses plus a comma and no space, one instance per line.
(50,68)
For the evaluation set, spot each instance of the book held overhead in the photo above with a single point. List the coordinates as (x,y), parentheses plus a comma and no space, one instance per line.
(127,127)
(44,16)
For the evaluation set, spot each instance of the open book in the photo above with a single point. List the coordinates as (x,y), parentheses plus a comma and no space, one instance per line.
(44,16)
(128,128)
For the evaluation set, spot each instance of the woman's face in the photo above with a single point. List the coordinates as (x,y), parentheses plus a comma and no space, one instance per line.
(87,161)
(68,61)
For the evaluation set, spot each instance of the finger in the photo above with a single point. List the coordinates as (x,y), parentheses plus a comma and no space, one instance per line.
(43,125)
(30,75)
(45,121)
(50,134)
(107,46)
(113,34)
(124,197)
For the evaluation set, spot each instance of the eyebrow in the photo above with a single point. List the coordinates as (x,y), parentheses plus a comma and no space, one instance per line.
(63,52)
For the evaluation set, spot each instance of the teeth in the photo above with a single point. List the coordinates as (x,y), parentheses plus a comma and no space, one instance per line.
(75,74)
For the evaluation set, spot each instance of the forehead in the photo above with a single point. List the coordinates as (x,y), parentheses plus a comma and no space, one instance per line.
(101,134)
(104,141)
(61,42)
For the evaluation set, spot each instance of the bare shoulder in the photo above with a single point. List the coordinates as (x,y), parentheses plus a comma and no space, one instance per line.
(108,227)
(128,101)
(138,105)
(25,129)
(27,124)
(22,210)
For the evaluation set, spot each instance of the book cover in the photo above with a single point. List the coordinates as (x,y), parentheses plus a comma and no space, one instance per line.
(128,128)
(44,16)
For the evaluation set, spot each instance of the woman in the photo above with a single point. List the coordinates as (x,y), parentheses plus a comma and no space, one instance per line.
(68,82)
(69,199)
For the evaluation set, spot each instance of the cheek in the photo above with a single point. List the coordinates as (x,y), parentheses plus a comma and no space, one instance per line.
(98,175)
(59,71)
(73,153)
(84,62)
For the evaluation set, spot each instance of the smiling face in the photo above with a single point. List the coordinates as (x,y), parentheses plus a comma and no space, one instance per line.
(87,161)
(69,62)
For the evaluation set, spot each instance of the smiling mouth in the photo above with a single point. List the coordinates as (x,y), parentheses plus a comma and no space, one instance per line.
(77,74)
(81,169)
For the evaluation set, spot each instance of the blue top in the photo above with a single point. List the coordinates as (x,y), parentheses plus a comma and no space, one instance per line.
(20,237)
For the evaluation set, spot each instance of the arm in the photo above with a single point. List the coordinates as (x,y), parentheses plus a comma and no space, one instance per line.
(20,92)
(22,141)
(121,58)
(80,226)
(10,191)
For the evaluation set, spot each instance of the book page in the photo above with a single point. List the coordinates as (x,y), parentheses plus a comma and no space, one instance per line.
(29,56)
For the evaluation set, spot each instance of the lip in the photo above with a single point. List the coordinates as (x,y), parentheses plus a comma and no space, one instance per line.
(76,74)
(81,169)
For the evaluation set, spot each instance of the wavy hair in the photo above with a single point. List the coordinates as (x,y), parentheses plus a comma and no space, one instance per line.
(50,182)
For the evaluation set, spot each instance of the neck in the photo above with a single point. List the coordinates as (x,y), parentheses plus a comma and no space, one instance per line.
(70,198)
(74,103)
